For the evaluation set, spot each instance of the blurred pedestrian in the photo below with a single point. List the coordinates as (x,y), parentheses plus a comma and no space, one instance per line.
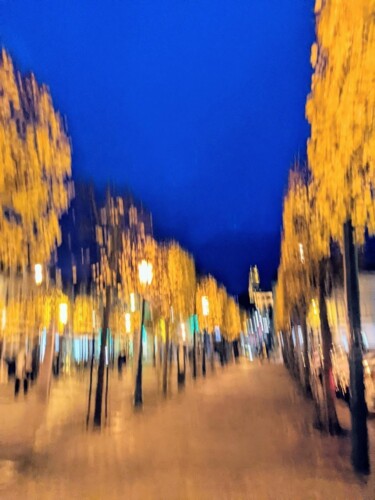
(21,372)
(121,361)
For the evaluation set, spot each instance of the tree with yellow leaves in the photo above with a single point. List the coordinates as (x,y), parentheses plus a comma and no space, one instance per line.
(210,303)
(162,305)
(182,279)
(35,157)
(341,152)
(213,315)
(146,250)
(232,319)
(122,250)
(297,262)
(206,307)
(106,277)
(84,312)
(303,270)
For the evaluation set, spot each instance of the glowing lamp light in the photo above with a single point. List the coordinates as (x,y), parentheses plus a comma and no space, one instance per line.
(132,302)
(127,323)
(63,313)
(38,274)
(145,272)
(205,306)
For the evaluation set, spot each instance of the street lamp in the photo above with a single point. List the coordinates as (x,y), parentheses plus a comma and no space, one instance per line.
(63,313)
(127,323)
(145,273)
(205,306)
(132,302)
(91,364)
(38,274)
(145,278)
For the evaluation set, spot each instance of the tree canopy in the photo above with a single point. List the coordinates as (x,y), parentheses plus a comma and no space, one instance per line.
(35,157)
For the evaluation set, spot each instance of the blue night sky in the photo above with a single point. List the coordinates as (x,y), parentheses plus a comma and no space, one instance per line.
(196,105)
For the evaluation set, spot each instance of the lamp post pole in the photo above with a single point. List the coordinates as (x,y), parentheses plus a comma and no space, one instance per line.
(91,365)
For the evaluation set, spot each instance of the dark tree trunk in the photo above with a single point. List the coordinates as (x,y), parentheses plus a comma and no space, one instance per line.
(180,374)
(358,408)
(154,353)
(165,360)
(306,359)
(225,354)
(138,400)
(90,384)
(101,367)
(178,359)
(222,352)
(194,354)
(284,349)
(204,354)
(291,355)
(330,422)
(106,391)
(235,349)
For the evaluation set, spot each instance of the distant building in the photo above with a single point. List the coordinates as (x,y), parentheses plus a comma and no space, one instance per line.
(254,283)
(262,300)
(260,321)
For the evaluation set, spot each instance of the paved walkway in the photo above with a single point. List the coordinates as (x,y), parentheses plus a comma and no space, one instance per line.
(242,433)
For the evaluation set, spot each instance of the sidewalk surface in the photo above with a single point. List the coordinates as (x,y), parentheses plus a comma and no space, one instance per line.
(242,433)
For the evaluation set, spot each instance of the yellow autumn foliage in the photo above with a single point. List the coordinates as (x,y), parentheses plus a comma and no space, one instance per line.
(232,319)
(223,310)
(208,287)
(304,243)
(341,112)
(35,157)
(281,309)
(33,313)
(181,273)
(83,314)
